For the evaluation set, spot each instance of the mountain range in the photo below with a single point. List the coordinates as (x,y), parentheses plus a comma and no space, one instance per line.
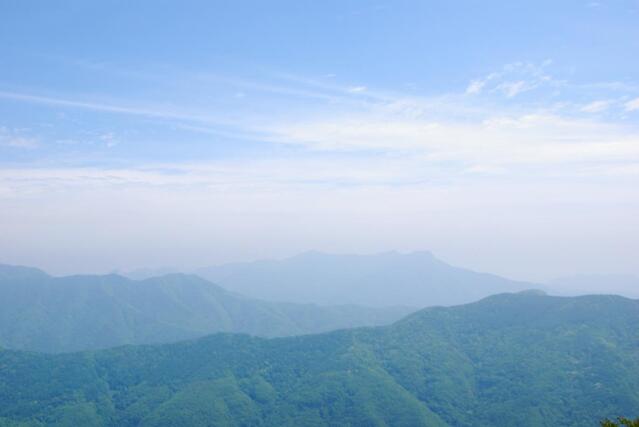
(56,314)
(389,278)
(522,359)
(417,279)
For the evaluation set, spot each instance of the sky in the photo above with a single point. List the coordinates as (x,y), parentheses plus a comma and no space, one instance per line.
(501,136)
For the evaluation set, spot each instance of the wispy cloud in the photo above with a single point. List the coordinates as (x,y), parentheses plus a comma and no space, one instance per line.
(632,105)
(513,79)
(596,106)
(196,120)
(511,89)
(20,142)
(176,114)
(475,87)
(504,142)
(469,134)
(16,139)
(357,89)
(109,139)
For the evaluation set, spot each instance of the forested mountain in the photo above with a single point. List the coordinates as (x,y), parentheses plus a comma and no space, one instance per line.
(509,360)
(389,278)
(53,314)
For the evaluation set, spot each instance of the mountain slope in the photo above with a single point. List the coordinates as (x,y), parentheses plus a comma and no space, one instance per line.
(509,360)
(415,279)
(44,313)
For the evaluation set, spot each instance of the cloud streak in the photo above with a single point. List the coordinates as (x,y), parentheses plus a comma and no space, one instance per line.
(632,105)
(466,132)
(175,114)
(15,139)
(596,106)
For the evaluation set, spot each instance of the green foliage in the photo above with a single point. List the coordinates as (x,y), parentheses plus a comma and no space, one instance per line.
(621,421)
(509,360)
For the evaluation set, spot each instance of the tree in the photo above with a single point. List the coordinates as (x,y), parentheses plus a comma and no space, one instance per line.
(622,421)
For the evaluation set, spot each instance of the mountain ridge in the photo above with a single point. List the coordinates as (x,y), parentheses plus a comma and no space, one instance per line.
(508,360)
(388,278)
(82,312)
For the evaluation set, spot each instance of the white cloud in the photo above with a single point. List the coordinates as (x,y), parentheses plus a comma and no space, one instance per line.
(632,105)
(20,142)
(475,87)
(16,139)
(109,139)
(596,106)
(504,142)
(173,114)
(514,79)
(471,133)
(356,89)
(511,89)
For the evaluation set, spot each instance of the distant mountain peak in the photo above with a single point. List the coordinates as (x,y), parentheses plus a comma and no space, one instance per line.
(317,254)
(380,279)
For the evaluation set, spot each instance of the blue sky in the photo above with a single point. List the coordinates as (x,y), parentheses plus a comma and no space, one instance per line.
(501,135)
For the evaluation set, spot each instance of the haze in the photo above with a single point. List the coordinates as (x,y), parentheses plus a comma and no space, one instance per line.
(502,137)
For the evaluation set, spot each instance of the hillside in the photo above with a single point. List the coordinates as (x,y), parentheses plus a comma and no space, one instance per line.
(391,278)
(53,314)
(509,360)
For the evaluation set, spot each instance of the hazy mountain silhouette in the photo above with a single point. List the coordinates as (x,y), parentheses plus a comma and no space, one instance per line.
(383,279)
